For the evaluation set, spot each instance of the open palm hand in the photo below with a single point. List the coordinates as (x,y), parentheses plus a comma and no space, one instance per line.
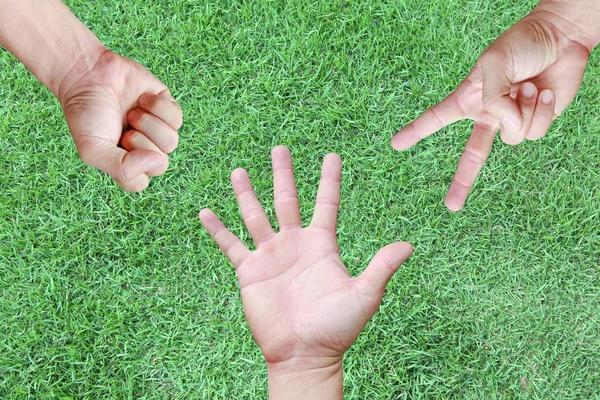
(299,299)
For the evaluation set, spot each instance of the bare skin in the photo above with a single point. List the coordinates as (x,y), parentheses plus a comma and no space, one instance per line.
(123,120)
(302,305)
(519,85)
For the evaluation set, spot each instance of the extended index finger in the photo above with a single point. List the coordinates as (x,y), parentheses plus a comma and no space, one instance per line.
(438,117)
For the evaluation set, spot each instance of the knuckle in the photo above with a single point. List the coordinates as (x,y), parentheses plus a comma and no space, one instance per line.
(265,237)
(178,120)
(489,98)
(132,134)
(436,118)
(121,174)
(149,101)
(154,105)
(495,54)
(137,118)
(332,177)
(164,109)
(386,264)
(325,201)
(460,181)
(474,157)
(511,140)
(229,246)
(170,143)
(137,186)
(252,214)
(165,162)
(286,195)
(163,168)
(129,138)
(170,113)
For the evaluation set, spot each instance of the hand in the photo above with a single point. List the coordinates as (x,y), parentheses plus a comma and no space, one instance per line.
(521,83)
(119,102)
(303,307)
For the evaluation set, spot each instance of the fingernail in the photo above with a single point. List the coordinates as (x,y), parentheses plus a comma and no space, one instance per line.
(528,90)
(547,97)
(510,123)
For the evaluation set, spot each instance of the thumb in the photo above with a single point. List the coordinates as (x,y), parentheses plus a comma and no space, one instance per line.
(115,161)
(497,84)
(383,266)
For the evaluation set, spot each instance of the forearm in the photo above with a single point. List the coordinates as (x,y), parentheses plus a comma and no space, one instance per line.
(46,37)
(300,379)
(579,19)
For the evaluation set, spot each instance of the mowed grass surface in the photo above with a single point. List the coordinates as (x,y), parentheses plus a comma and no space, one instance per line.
(105,294)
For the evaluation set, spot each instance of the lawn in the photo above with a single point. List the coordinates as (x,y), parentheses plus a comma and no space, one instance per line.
(107,294)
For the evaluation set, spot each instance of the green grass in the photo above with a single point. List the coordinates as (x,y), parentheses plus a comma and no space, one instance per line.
(105,294)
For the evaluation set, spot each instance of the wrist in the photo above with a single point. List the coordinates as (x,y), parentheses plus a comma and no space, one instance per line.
(74,69)
(577,20)
(46,37)
(306,379)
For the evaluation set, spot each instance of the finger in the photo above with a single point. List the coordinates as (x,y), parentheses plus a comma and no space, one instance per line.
(253,214)
(230,244)
(475,155)
(167,95)
(156,130)
(496,95)
(526,99)
(285,193)
(543,116)
(431,121)
(136,184)
(383,266)
(328,195)
(122,165)
(133,140)
(163,107)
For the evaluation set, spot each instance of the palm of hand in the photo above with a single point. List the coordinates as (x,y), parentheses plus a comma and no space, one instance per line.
(299,299)
(103,108)
(530,70)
